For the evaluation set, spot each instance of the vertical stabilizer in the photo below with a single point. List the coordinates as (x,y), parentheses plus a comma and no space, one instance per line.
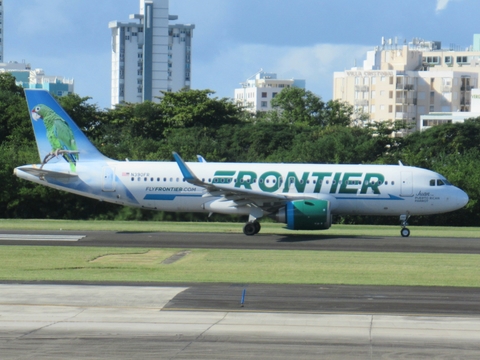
(56,134)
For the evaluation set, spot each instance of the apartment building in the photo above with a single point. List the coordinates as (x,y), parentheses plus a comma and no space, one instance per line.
(29,78)
(257,92)
(405,82)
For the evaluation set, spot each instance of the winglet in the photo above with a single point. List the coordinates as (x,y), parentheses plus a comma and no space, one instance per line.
(201,159)
(186,172)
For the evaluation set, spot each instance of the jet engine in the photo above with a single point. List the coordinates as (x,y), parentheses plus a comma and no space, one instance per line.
(305,215)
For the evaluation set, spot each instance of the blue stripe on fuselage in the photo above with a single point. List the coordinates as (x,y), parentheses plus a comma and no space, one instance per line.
(168,197)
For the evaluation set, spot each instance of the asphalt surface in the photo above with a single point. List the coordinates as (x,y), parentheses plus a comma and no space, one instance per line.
(45,321)
(240,241)
(237,321)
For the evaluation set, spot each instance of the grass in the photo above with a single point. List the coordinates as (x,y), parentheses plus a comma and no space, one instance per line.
(42,263)
(220,227)
(35,263)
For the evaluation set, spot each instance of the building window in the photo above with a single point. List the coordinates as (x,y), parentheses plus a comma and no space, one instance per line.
(264,104)
(264,94)
(448,60)
(274,94)
(431,60)
(462,60)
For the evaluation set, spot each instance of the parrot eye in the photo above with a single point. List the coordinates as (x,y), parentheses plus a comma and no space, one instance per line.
(37,108)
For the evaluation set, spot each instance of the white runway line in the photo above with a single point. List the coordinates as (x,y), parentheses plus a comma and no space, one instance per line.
(34,237)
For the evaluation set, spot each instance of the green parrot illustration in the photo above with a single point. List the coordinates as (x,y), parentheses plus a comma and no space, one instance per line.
(59,134)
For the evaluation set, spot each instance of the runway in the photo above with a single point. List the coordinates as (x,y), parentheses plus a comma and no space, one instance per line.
(239,241)
(122,322)
(207,321)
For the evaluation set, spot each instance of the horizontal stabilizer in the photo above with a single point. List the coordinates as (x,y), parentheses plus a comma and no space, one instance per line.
(42,173)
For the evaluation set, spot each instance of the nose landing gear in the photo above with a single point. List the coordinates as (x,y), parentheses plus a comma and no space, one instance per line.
(405,232)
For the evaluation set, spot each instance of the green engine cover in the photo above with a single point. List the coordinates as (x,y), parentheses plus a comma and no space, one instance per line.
(308,215)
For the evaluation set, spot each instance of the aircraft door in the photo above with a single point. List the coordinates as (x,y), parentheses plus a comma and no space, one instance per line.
(108,179)
(406,184)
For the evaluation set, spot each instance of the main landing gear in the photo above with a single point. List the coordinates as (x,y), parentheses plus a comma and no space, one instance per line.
(405,232)
(251,228)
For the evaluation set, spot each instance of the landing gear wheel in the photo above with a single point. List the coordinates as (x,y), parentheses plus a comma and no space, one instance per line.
(257,227)
(249,229)
(405,232)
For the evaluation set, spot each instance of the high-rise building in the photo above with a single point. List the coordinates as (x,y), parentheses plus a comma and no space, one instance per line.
(149,55)
(1,31)
(257,91)
(407,81)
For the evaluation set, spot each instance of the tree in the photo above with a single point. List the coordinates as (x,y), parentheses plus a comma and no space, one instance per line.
(337,113)
(300,106)
(189,108)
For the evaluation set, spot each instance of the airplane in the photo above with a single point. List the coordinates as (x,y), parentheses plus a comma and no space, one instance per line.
(304,196)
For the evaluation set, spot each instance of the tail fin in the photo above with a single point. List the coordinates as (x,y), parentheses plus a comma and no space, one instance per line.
(56,133)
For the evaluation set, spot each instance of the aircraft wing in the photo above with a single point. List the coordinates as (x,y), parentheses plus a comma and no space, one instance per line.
(259,198)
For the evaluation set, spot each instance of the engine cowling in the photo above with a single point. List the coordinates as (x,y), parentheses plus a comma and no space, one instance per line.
(306,215)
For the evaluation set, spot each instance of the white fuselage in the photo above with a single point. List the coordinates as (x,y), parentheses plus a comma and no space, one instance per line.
(351,189)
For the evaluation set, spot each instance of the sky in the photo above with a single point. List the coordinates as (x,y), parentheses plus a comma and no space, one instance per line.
(232,40)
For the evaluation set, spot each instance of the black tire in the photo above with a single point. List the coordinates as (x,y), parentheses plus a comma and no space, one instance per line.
(249,229)
(257,227)
(405,232)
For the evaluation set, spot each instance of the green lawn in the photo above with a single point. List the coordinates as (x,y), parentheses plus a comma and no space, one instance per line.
(238,266)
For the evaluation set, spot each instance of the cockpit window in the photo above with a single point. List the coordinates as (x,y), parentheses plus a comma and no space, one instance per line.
(439,182)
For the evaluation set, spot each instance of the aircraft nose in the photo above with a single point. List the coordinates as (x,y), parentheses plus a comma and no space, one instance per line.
(462,198)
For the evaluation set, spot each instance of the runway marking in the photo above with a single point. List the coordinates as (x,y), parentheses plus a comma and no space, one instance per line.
(34,237)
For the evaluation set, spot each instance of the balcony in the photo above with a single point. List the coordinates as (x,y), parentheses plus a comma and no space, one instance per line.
(404,87)
(401,116)
(362,88)
(361,102)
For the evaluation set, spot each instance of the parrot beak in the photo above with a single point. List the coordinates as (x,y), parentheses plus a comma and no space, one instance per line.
(35,115)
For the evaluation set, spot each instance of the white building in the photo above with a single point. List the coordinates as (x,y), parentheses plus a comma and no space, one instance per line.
(405,82)
(257,91)
(439,118)
(1,31)
(29,78)
(149,55)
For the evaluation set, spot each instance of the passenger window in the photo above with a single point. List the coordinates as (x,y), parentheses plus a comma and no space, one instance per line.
(432,182)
